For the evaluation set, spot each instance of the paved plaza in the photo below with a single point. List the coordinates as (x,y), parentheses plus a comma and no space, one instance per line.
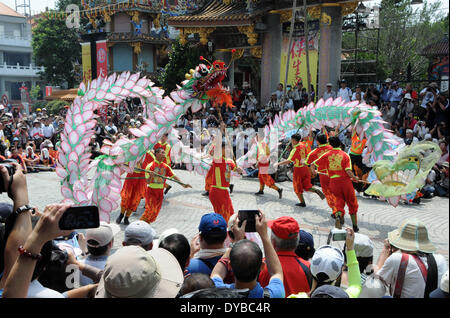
(183,208)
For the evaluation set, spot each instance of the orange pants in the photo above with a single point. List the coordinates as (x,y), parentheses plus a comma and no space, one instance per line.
(133,191)
(221,202)
(325,184)
(302,180)
(265,179)
(153,202)
(344,193)
(209,179)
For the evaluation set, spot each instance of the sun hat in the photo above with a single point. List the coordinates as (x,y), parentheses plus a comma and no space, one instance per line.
(140,231)
(101,235)
(327,260)
(329,290)
(212,222)
(412,236)
(445,164)
(329,84)
(408,96)
(284,227)
(132,272)
(388,80)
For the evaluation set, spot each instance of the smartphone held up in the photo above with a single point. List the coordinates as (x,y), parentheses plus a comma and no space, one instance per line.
(250,216)
(80,217)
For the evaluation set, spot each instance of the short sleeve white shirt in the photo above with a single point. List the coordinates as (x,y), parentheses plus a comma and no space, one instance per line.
(413,284)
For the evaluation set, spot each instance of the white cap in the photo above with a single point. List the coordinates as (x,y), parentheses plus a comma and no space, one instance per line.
(363,245)
(408,96)
(328,260)
(388,80)
(167,233)
(444,282)
(140,231)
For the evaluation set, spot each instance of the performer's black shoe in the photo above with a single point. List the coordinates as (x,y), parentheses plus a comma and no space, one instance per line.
(259,192)
(342,220)
(333,216)
(231,188)
(167,189)
(366,195)
(280,193)
(119,218)
(302,204)
(206,193)
(125,221)
(355,228)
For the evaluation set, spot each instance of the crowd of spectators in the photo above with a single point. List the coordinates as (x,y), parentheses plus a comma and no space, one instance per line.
(279,260)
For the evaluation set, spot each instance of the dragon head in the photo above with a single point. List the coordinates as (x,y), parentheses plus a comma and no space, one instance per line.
(208,77)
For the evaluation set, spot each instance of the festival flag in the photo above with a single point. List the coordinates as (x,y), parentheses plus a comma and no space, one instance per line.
(86,60)
(102,59)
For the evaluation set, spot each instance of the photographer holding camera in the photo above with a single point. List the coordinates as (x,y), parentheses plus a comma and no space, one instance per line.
(27,251)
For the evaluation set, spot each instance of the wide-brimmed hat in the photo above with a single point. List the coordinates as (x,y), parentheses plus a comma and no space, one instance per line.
(411,235)
(132,272)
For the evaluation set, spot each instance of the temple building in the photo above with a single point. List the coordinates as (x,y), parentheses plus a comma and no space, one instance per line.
(123,36)
(254,28)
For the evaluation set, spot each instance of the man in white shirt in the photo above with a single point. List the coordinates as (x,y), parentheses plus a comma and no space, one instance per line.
(329,92)
(48,129)
(411,240)
(344,92)
(357,91)
(427,94)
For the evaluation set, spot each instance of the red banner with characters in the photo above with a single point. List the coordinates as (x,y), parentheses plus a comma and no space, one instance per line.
(102,59)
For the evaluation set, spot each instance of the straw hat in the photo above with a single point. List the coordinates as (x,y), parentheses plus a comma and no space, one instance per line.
(412,236)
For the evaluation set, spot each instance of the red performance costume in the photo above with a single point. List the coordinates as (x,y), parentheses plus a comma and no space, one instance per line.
(262,157)
(154,193)
(218,194)
(133,190)
(337,162)
(323,176)
(302,174)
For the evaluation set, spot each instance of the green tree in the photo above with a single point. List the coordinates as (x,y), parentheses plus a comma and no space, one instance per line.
(404,31)
(182,58)
(56,47)
(35,92)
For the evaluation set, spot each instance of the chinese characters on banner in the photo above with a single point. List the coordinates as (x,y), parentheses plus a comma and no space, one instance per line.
(86,60)
(297,63)
(102,59)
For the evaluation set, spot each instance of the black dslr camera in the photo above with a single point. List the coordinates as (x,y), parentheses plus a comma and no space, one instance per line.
(11,170)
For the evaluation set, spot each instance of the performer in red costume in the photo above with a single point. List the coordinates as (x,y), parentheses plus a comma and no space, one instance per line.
(302,174)
(339,167)
(219,195)
(322,149)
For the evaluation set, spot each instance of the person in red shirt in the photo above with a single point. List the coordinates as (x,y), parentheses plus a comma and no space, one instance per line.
(262,157)
(218,194)
(155,185)
(166,146)
(322,149)
(297,275)
(302,174)
(16,155)
(339,168)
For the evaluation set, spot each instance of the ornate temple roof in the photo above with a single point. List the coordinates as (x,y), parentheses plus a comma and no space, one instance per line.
(220,13)
(439,48)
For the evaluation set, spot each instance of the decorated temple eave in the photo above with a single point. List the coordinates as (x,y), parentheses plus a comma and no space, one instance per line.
(131,37)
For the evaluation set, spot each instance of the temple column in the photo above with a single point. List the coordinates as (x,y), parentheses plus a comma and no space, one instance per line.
(330,47)
(271,57)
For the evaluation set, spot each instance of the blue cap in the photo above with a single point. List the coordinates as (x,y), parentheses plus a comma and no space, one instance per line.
(306,238)
(212,221)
